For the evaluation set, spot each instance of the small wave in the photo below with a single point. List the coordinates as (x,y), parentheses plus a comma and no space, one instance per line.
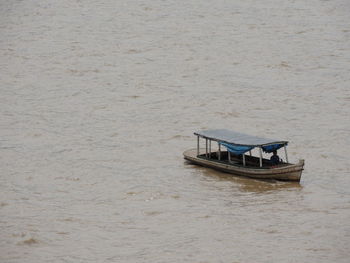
(284,64)
(134,96)
(114,134)
(69,219)
(226,115)
(62,233)
(152,213)
(74,179)
(133,51)
(30,241)
(179,137)
(19,235)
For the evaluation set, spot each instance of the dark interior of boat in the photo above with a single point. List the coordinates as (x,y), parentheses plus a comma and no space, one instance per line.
(250,161)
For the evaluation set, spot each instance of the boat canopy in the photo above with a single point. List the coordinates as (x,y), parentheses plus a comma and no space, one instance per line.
(240,143)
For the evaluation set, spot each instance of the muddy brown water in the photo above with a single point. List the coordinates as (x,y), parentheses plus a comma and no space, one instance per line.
(98,100)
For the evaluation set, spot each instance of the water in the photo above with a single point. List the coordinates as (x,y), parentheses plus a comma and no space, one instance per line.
(100,99)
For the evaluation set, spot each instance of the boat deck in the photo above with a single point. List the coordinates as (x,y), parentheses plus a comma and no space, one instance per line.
(236,160)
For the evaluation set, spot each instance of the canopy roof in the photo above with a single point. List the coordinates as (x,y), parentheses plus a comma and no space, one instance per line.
(237,138)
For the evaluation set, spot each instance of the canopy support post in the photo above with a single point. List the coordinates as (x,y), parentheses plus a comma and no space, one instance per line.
(209,148)
(206,147)
(243,159)
(197,145)
(260,159)
(219,151)
(285,151)
(229,156)
(250,152)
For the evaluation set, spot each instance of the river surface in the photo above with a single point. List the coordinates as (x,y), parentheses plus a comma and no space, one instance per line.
(99,99)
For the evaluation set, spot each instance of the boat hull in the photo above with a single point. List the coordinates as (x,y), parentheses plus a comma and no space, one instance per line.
(286,172)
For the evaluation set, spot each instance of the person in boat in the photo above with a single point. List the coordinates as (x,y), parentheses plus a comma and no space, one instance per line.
(275,159)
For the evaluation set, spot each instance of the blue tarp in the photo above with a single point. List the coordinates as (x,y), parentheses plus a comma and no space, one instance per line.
(236,149)
(240,149)
(272,147)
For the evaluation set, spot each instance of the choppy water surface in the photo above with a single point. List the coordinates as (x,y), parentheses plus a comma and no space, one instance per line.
(100,98)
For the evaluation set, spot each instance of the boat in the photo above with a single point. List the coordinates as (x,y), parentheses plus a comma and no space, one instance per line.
(236,160)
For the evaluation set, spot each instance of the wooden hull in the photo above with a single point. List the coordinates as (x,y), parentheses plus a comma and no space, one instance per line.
(285,172)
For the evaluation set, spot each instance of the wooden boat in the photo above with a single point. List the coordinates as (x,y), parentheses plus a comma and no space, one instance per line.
(235,160)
